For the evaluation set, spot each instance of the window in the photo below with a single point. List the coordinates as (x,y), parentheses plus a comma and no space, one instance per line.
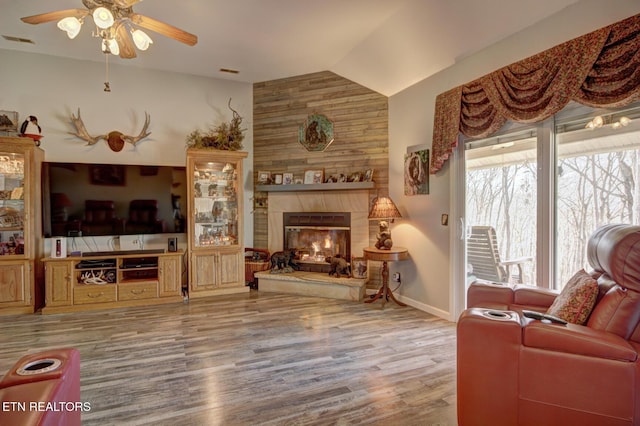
(545,191)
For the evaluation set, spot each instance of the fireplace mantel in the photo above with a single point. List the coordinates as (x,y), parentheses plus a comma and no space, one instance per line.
(356,202)
(339,186)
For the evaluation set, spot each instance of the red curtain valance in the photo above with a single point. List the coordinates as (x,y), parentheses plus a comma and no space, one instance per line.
(599,69)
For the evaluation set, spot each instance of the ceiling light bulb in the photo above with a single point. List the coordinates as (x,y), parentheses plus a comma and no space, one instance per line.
(616,125)
(71,25)
(110,46)
(141,39)
(597,121)
(103,17)
(624,121)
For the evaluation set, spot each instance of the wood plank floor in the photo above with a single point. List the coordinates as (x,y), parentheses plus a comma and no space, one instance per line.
(252,359)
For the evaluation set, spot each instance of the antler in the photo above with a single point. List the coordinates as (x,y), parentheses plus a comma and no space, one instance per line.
(81,131)
(143,133)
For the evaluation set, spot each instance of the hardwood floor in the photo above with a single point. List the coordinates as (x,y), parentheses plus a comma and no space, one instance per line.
(252,359)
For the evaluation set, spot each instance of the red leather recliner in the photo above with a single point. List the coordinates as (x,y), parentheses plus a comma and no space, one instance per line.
(43,389)
(514,370)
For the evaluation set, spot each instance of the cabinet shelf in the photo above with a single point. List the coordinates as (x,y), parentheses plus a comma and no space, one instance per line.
(338,186)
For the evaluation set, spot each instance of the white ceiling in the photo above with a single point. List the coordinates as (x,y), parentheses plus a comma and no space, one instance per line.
(386,45)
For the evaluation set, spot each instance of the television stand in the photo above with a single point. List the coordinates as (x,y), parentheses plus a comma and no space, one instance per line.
(106,280)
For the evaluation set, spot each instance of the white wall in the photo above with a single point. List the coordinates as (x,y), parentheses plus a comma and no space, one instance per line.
(52,88)
(427,282)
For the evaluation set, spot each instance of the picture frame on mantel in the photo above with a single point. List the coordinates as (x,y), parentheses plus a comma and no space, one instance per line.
(313,176)
(264,177)
(287,178)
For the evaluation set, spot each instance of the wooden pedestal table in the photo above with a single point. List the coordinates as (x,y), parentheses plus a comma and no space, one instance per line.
(384,256)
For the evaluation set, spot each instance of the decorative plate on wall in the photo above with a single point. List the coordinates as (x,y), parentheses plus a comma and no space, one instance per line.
(316,134)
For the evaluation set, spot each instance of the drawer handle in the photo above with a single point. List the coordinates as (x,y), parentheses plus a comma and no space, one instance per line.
(138,291)
(93,296)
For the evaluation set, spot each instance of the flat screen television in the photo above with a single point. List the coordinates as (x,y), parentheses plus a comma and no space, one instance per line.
(112,199)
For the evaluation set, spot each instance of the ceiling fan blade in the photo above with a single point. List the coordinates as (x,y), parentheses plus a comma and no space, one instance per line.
(164,29)
(127,50)
(55,16)
(125,3)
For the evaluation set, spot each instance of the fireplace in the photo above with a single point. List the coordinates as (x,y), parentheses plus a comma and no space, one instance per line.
(317,235)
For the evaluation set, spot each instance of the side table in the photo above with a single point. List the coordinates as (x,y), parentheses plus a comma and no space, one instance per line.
(384,256)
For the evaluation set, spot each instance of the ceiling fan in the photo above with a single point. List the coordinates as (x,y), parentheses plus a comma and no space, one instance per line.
(116,25)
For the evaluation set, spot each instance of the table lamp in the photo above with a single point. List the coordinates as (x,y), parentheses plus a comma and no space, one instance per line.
(384,209)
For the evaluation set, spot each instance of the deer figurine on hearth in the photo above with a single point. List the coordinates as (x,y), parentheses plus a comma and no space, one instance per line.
(115,139)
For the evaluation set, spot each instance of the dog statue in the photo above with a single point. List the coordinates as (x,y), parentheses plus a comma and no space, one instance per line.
(338,266)
(284,261)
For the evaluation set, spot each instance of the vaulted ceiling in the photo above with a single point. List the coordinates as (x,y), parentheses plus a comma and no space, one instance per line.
(386,45)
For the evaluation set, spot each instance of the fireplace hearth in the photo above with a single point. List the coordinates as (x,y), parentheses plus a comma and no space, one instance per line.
(316,236)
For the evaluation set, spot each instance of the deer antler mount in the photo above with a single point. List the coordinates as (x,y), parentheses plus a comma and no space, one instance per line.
(115,139)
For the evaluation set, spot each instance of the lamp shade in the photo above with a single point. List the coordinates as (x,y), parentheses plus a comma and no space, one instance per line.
(103,17)
(141,39)
(71,25)
(384,208)
(110,46)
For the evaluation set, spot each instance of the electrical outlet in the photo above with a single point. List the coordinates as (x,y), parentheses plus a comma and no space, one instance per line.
(396,277)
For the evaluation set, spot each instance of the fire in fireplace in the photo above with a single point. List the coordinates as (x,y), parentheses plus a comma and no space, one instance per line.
(317,235)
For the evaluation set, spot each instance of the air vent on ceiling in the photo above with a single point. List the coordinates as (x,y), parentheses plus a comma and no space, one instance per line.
(18,39)
(229,70)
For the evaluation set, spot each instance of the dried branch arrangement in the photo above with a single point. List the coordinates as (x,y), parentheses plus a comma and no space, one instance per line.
(226,136)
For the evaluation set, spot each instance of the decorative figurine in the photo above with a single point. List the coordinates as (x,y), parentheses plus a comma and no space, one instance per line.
(31,129)
(384,236)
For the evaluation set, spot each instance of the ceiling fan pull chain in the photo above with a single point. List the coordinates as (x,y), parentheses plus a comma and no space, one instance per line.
(107,86)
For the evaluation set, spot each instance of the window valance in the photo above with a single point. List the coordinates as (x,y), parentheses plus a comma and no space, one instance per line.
(599,69)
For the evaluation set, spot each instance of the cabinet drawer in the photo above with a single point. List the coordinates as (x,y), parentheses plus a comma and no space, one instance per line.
(94,294)
(135,291)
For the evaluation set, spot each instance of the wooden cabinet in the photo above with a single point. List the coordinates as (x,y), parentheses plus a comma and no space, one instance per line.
(105,282)
(20,226)
(57,278)
(170,276)
(215,222)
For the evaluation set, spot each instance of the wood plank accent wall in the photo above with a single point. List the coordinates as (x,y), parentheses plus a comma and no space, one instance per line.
(360,117)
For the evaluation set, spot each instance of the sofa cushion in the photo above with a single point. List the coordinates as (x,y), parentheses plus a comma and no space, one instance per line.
(575,302)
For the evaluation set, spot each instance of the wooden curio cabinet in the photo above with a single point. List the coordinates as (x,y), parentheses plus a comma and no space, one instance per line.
(20,226)
(215,222)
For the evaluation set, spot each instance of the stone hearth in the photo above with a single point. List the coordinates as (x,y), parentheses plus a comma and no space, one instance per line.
(312,284)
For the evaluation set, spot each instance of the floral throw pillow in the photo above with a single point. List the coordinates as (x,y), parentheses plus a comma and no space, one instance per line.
(577,299)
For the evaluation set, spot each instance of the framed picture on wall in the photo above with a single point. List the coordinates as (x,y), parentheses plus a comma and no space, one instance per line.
(107,174)
(416,172)
(277,179)
(287,178)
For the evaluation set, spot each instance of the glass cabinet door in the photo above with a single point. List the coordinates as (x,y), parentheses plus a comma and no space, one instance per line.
(12,205)
(215,198)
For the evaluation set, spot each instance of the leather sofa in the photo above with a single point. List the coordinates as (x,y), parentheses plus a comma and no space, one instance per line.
(513,370)
(43,389)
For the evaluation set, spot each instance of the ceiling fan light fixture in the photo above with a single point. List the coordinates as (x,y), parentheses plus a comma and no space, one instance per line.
(103,17)
(71,25)
(141,39)
(110,45)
